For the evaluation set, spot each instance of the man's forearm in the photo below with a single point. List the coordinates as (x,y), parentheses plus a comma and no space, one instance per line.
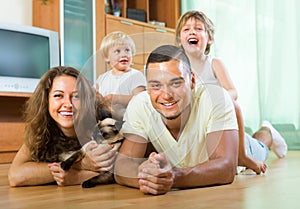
(126,171)
(209,173)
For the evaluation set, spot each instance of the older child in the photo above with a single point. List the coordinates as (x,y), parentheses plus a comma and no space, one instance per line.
(121,82)
(195,34)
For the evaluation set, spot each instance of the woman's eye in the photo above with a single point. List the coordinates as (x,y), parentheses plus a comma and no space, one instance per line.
(75,96)
(57,95)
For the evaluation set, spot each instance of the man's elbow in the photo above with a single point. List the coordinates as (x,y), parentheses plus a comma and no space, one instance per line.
(229,178)
(229,172)
(118,179)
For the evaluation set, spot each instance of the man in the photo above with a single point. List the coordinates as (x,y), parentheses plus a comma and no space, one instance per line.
(191,136)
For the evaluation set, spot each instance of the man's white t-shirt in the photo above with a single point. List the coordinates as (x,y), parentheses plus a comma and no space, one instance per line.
(212,110)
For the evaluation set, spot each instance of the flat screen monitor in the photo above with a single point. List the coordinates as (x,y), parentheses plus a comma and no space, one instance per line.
(26,53)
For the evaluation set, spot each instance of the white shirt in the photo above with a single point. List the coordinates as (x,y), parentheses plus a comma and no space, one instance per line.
(211,110)
(122,84)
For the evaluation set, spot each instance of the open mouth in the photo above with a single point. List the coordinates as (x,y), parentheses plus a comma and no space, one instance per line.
(169,104)
(192,41)
(66,114)
(123,60)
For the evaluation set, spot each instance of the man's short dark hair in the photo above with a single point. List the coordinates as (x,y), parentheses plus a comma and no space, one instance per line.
(167,53)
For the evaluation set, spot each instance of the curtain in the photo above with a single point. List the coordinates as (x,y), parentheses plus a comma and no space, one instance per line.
(259,43)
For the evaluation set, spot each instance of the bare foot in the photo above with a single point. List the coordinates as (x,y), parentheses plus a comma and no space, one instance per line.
(256,165)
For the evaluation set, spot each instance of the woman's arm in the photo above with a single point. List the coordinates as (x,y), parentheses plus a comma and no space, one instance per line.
(24,172)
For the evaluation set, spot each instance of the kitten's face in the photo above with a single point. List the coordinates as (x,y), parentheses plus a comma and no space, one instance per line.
(109,131)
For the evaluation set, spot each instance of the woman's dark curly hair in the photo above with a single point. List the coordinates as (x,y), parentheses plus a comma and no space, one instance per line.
(41,130)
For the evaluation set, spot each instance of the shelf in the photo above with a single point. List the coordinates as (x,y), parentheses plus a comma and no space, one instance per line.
(153,10)
(14,94)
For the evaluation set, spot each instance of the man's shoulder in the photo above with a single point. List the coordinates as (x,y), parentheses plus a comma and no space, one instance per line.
(141,97)
(210,90)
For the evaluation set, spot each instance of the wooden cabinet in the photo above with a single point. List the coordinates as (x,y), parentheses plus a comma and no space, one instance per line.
(132,28)
(11,124)
(167,11)
(146,36)
(48,16)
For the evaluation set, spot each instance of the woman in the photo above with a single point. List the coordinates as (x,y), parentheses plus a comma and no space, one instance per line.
(59,116)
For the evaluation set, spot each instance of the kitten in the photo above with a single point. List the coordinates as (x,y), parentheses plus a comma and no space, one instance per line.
(106,132)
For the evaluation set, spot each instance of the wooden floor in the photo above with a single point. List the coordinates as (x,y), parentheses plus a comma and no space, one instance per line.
(278,188)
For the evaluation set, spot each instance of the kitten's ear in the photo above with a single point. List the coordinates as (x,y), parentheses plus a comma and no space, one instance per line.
(119,124)
(103,114)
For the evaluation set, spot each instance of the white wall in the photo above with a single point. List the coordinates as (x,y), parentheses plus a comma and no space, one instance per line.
(16,11)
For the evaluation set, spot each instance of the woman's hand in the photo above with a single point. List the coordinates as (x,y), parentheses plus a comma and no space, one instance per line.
(62,177)
(99,157)
(70,177)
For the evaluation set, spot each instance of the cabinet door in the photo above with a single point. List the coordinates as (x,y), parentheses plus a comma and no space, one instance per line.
(154,37)
(77,31)
(136,33)
(12,125)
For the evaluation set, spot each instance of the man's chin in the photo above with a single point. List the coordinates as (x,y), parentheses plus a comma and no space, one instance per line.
(171,117)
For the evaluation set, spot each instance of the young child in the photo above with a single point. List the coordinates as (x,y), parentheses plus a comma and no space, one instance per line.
(121,82)
(195,34)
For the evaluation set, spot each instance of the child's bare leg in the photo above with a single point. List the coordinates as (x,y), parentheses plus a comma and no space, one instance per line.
(243,160)
(264,135)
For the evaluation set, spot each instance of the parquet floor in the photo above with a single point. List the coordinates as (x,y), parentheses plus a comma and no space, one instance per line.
(278,188)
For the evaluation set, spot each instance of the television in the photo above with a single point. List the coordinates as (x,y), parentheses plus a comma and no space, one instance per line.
(26,53)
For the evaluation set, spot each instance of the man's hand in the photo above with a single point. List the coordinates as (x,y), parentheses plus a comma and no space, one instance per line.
(155,175)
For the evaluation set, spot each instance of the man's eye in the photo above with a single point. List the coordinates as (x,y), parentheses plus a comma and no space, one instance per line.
(176,84)
(155,86)
(127,50)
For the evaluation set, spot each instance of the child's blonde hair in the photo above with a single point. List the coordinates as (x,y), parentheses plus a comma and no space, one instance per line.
(116,38)
(209,26)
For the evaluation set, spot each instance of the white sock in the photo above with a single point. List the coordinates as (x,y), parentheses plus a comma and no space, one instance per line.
(279,145)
